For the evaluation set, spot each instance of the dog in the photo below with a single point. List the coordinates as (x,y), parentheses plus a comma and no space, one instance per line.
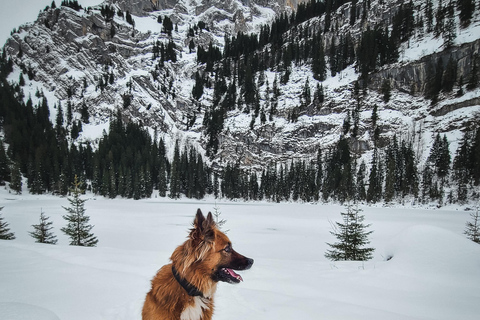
(184,289)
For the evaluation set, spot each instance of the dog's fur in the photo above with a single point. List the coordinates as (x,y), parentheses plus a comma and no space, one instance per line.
(199,263)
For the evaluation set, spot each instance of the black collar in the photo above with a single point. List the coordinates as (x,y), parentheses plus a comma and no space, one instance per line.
(190,288)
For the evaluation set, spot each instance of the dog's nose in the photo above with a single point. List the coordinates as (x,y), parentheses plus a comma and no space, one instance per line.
(249,263)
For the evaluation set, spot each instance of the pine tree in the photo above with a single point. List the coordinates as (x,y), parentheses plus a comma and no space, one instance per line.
(429,15)
(461,167)
(319,95)
(449,33)
(352,237)
(306,93)
(4,165)
(78,228)
(439,19)
(475,157)
(466,8)
(390,167)
(472,228)
(361,193)
(386,90)
(318,61)
(338,181)
(410,174)
(374,192)
(16,179)
(439,156)
(5,233)
(175,182)
(197,90)
(42,233)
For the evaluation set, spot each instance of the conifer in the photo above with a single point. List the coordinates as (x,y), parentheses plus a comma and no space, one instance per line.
(4,164)
(42,232)
(16,179)
(5,233)
(472,228)
(352,237)
(77,227)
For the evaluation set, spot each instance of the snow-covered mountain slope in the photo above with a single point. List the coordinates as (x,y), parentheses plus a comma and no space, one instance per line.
(107,64)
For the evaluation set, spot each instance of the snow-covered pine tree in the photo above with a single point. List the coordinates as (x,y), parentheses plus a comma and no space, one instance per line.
(78,228)
(42,233)
(5,233)
(472,228)
(352,237)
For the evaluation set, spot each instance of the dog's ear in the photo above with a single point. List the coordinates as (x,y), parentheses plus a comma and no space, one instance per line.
(202,238)
(199,220)
(208,226)
(203,229)
(197,231)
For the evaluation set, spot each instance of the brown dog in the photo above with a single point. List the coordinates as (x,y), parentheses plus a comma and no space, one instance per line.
(184,289)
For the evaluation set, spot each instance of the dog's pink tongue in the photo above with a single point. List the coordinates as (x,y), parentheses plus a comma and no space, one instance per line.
(235,275)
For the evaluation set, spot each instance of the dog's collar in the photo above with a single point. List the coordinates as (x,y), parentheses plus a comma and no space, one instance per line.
(190,288)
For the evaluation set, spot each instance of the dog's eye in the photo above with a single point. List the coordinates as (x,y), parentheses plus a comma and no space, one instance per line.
(228,249)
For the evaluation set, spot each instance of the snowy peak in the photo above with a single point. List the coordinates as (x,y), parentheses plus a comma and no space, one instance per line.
(144,58)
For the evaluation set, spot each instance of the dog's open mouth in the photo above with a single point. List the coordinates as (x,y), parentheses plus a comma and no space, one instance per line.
(232,274)
(225,273)
(228,275)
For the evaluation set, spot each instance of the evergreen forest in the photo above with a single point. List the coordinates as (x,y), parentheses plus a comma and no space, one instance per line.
(129,162)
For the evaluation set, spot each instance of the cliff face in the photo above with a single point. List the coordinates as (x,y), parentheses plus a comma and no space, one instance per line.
(142,8)
(83,59)
(415,75)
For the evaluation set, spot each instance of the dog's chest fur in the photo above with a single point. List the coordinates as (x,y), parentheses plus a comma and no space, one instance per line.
(195,310)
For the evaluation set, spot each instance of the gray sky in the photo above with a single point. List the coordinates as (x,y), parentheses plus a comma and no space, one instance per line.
(14,13)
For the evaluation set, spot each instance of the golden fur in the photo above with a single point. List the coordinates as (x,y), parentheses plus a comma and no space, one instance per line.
(205,258)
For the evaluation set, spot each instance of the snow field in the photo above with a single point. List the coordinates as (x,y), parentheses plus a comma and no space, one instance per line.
(433,271)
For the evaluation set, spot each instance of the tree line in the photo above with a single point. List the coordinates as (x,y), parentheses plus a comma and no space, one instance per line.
(129,163)
(237,75)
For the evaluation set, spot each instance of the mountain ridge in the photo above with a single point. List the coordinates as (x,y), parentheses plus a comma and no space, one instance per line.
(107,64)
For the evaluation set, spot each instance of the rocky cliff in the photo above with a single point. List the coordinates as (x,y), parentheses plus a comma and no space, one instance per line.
(106,64)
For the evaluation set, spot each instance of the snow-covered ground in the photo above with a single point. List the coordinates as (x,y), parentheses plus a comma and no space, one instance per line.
(433,271)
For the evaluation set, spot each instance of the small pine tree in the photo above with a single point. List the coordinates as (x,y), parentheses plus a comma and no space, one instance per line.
(352,237)
(78,228)
(472,228)
(217,213)
(42,233)
(5,233)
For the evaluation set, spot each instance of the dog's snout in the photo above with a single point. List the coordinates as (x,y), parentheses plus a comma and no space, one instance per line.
(249,263)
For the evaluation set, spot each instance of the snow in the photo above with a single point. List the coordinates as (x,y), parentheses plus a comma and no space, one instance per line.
(423,266)
(14,13)
(22,311)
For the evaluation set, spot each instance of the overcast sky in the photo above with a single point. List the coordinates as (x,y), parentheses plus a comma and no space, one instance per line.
(14,13)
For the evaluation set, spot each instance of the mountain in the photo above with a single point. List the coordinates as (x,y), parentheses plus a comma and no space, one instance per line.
(245,82)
